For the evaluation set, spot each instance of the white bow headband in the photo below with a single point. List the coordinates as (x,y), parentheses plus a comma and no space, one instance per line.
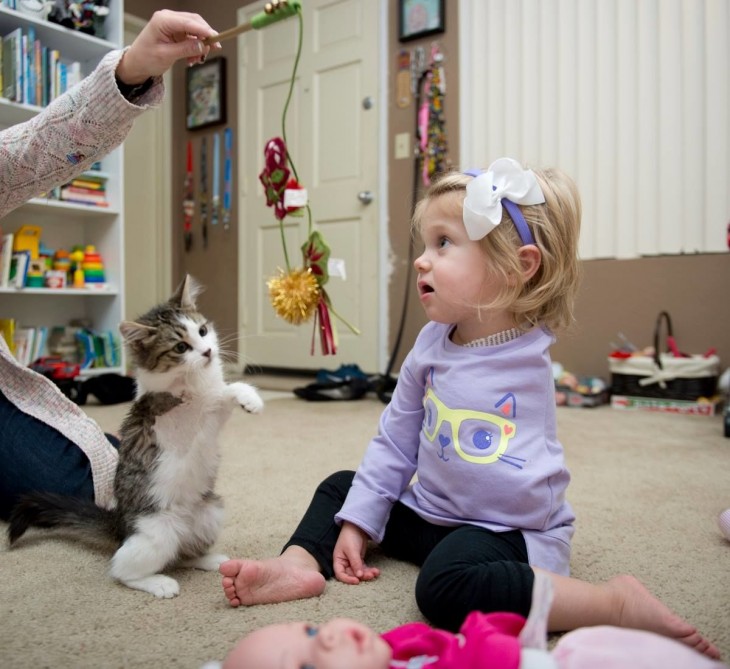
(504,184)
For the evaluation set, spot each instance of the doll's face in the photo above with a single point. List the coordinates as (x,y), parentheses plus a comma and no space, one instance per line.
(338,644)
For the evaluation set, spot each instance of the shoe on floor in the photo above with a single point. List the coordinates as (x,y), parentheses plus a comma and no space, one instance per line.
(350,389)
(343,373)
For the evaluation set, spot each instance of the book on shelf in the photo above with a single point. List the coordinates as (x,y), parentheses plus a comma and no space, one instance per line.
(7,332)
(26,343)
(11,50)
(93,176)
(88,185)
(88,348)
(37,344)
(40,342)
(32,73)
(18,269)
(87,188)
(6,256)
(77,195)
(76,345)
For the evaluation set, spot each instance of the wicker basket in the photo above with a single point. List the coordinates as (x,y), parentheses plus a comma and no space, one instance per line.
(664,375)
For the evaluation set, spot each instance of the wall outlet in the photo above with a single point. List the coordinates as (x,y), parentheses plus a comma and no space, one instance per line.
(402,145)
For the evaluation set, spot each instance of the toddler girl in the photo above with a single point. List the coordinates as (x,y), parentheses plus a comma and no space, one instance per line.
(466,477)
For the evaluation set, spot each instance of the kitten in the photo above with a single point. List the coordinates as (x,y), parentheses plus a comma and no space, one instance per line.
(166,511)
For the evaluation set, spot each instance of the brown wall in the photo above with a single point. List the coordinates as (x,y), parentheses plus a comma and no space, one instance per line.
(217,265)
(617,295)
(401,172)
(626,296)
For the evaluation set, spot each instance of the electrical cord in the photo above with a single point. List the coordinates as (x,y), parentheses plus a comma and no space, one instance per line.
(385,383)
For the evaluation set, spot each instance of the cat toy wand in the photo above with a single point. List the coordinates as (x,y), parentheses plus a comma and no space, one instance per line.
(274,11)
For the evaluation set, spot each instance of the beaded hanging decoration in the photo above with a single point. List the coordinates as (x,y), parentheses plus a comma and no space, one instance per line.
(432,130)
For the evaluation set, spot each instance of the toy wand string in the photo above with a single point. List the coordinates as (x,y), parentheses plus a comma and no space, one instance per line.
(274,11)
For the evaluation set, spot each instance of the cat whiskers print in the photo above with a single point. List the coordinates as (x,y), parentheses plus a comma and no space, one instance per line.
(165,511)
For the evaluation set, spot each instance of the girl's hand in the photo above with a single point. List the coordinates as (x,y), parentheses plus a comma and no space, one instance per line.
(348,556)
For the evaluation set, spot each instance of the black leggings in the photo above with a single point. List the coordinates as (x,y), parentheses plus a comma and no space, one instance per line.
(463,569)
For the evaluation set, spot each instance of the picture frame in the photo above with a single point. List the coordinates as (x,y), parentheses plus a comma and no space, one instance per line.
(419,18)
(205,94)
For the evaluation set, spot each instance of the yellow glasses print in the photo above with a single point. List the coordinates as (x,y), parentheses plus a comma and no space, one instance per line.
(481,438)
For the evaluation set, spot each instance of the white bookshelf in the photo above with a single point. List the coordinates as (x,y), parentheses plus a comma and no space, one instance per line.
(64,224)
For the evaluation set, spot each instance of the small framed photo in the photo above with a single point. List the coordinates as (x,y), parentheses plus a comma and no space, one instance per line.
(205,94)
(419,18)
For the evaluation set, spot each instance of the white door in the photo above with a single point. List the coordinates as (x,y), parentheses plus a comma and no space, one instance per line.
(332,130)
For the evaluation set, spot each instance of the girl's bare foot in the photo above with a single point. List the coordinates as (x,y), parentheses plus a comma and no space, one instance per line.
(639,609)
(279,579)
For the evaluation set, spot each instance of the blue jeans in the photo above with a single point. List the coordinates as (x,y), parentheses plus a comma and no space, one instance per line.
(35,456)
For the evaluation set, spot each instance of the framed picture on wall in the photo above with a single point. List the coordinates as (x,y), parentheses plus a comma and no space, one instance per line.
(419,18)
(205,94)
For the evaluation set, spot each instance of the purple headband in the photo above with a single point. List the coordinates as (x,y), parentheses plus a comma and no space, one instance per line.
(523,230)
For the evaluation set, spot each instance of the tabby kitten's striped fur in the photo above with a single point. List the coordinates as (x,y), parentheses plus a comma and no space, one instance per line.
(166,511)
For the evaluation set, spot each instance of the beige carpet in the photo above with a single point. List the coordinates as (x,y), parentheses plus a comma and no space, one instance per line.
(646,489)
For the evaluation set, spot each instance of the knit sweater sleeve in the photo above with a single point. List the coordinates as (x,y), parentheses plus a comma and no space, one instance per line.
(69,135)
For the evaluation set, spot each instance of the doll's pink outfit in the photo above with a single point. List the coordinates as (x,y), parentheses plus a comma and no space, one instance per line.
(483,637)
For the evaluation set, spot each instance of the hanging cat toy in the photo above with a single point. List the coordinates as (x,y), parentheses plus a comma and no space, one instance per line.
(297,293)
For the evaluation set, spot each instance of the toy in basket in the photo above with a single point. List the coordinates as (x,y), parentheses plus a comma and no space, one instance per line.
(670,375)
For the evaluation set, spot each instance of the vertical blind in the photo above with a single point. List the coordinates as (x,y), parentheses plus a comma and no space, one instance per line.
(630,97)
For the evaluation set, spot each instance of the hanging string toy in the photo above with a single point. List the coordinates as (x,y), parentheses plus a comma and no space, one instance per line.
(298,293)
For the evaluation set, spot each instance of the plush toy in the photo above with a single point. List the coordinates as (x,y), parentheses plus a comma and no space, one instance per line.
(87,17)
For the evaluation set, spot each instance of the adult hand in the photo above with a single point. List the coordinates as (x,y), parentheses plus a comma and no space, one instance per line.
(348,556)
(167,37)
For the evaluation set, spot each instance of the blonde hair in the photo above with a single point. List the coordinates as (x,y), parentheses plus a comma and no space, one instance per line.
(547,297)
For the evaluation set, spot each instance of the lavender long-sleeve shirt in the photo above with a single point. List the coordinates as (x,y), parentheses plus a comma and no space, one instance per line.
(477,428)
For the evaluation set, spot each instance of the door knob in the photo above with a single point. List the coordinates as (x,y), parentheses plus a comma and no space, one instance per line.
(365,196)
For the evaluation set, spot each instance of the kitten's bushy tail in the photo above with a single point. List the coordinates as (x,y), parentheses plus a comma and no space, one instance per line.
(44,509)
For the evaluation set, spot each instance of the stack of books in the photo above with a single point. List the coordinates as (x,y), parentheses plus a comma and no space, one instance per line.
(31,73)
(89,188)
(75,345)
(26,343)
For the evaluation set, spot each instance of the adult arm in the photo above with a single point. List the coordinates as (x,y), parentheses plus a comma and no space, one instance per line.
(87,122)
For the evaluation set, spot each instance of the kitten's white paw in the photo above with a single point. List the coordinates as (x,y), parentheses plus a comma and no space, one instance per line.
(247,397)
(158,585)
(209,562)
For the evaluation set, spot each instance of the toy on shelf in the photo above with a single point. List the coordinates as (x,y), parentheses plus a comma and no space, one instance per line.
(61,261)
(86,17)
(59,274)
(77,258)
(87,267)
(35,276)
(93,268)
(27,238)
